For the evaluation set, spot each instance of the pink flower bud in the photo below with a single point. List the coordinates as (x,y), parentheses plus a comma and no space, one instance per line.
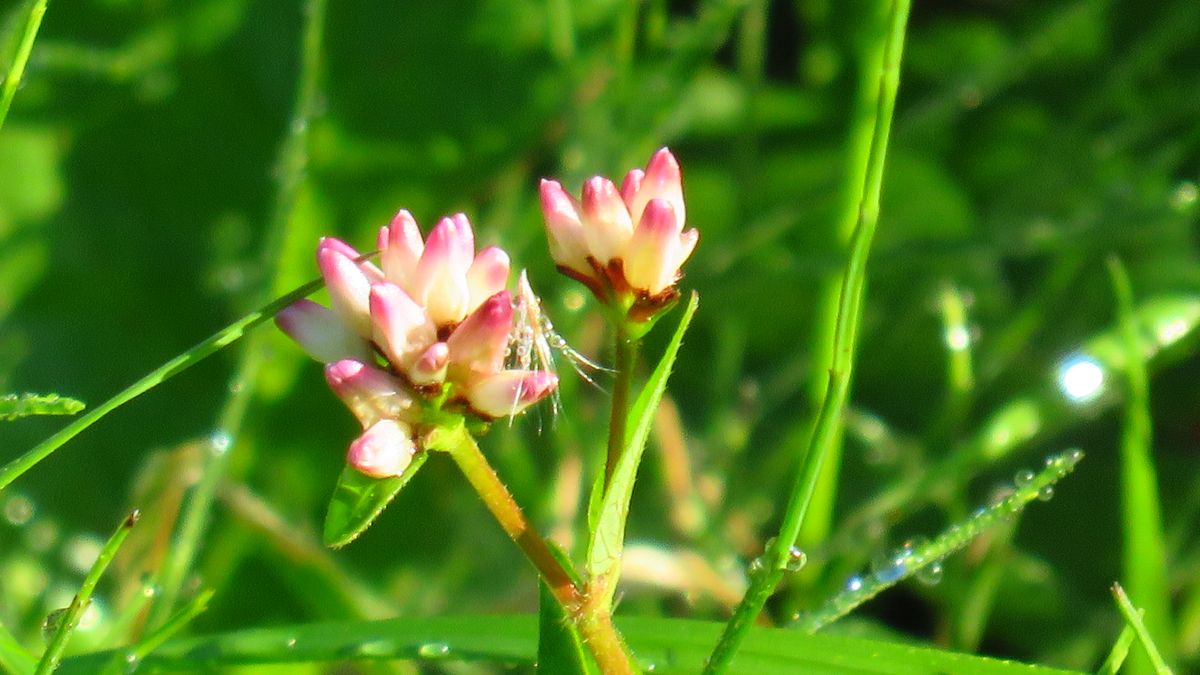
(349,289)
(508,392)
(369,393)
(441,279)
(430,368)
(487,276)
(401,248)
(402,329)
(479,344)
(384,450)
(321,333)
(606,223)
(626,246)
(373,273)
(657,249)
(567,244)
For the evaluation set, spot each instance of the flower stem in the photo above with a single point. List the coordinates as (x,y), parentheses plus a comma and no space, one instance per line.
(626,357)
(495,495)
(825,432)
(596,626)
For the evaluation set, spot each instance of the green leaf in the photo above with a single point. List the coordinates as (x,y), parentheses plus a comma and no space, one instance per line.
(15,406)
(670,645)
(358,500)
(604,549)
(560,648)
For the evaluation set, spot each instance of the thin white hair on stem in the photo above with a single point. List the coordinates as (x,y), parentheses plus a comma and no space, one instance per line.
(533,343)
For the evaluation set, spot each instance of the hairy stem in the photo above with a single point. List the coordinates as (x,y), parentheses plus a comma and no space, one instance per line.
(626,357)
(596,626)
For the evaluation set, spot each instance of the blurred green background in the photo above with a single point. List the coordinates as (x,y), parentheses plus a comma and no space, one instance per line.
(139,171)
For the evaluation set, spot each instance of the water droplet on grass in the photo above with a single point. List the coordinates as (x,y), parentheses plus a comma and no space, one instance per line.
(1046,493)
(1023,478)
(434,650)
(796,559)
(931,574)
(219,442)
(854,584)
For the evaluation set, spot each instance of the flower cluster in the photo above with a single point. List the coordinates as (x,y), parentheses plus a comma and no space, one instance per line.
(626,246)
(429,329)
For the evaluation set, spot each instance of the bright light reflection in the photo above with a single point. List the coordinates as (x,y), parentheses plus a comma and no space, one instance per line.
(1080,378)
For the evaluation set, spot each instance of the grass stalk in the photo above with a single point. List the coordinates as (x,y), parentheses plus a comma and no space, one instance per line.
(859,140)
(70,619)
(292,164)
(1144,559)
(16,70)
(826,431)
(219,340)
(123,662)
(1133,617)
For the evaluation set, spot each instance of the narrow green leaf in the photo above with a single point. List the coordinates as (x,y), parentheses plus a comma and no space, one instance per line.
(128,659)
(1144,555)
(669,645)
(604,549)
(358,500)
(560,648)
(69,619)
(1133,617)
(16,406)
(219,340)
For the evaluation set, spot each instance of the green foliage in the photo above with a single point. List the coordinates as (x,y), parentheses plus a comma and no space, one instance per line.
(166,167)
(358,500)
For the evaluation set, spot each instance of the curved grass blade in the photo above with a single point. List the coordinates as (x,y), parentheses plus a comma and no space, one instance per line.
(222,338)
(358,500)
(669,645)
(70,618)
(16,406)
(126,660)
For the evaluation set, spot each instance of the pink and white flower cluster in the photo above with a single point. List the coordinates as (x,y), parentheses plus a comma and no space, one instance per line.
(434,322)
(626,246)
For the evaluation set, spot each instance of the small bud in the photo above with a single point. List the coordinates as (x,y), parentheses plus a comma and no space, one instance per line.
(384,450)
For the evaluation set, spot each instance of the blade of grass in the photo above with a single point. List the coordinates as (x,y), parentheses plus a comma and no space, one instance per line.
(54,651)
(166,371)
(859,139)
(293,161)
(126,660)
(1133,618)
(16,69)
(1144,551)
(909,561)
(826,431)
(670,645)
(1120,649)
